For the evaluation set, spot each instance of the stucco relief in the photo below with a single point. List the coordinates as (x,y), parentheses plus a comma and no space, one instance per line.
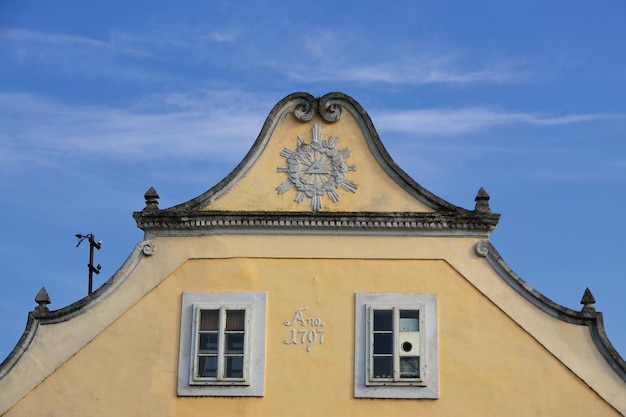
(316,168)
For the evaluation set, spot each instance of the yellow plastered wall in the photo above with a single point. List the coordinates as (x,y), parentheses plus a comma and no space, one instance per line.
(376,190)
(488,365)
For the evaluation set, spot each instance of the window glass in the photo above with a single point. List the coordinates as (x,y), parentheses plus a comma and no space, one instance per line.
(234,366)
(235,319)
(383,344)
(209,320)
(207,366)
(235,342)
(383,320)
(208,342)
(409,320)
(410,367)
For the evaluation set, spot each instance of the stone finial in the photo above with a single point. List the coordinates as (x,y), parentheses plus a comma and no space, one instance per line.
(588,301)
(43,299)
(152,200)
(482,201)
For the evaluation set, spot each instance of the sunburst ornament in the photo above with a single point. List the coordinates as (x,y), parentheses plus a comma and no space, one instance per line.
(316,168)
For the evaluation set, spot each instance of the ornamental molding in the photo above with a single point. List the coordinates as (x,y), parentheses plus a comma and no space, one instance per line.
(199,223)
(316,169)
(307,107)
(482,248)
(147,247)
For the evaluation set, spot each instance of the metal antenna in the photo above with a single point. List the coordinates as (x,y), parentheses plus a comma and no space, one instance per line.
(92,244)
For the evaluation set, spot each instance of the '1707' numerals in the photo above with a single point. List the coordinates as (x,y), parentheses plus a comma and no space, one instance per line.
(306,337)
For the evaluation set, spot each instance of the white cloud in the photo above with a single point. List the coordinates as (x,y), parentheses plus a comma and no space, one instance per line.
(24,37)
(202,124)
(305,57)
(74,57)
(407,71)
(183,127)
(468,120)
(45,44)
(54,51)
(349,57)
(225,36)
(143,56)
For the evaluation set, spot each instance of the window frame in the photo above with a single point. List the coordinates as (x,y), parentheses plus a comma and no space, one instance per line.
(220,378)
(424,386)
(252,381)
(395,332)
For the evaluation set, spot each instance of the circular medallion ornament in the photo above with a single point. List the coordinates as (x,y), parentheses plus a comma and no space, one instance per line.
(315,169)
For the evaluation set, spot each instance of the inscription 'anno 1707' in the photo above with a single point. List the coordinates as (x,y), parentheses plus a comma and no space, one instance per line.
(308,336)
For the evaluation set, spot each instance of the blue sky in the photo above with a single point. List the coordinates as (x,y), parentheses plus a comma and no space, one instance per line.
(101,100)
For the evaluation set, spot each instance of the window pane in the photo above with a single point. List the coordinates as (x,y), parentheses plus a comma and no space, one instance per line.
(207,342)
(209,320)
(409,320)
(207,366)
(383,320)
(235,319)
(234,342)
(410,367)
(234,367)
(383,367)
(383,343)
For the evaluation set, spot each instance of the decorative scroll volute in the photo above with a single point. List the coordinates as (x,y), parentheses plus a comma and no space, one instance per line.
(308,106)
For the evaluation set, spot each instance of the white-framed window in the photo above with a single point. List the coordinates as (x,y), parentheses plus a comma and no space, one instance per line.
(220,349)
(222,344)
(396,346)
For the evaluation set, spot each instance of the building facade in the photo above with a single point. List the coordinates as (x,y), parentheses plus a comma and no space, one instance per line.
(316,279)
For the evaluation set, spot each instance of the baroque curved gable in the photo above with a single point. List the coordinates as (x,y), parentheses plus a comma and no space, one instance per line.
(318,164)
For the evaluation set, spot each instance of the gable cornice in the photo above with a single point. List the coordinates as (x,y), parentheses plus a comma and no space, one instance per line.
(199,222)
(587,317)
(41,316)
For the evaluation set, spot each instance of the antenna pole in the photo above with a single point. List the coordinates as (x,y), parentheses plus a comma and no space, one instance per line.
(92,269)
